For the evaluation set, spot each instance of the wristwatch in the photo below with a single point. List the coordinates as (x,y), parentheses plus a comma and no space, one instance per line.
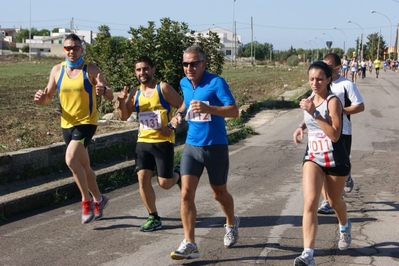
(171,126)
(316,114)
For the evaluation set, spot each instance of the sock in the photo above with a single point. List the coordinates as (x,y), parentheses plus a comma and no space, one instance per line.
(309,251)
(100,199)
(155,214)
(342,228)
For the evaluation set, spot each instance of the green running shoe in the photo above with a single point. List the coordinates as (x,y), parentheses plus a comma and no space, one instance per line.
(151,224)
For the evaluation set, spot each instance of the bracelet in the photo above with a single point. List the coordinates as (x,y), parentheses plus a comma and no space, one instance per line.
(303,126)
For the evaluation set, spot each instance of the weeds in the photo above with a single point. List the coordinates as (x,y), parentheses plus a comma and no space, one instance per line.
(60,197)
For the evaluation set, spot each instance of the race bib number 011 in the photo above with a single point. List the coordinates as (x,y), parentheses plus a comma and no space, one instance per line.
(150,120)
(198,117)
(319,142)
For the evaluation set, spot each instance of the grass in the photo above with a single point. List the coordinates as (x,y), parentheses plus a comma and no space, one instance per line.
(27,125)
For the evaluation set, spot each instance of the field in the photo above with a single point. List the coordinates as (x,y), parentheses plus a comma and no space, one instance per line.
(25,124)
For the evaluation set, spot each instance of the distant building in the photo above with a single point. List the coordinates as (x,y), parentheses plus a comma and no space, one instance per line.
(53,44)
(43,45)
(7,36)
(230,44)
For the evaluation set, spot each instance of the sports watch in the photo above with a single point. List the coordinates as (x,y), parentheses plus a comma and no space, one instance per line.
(316,114)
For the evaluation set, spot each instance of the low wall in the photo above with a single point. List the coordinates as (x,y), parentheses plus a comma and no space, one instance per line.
(29,162)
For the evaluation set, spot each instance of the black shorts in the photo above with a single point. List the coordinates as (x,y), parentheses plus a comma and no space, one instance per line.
(339,170)
(161,155)
(215,158)
(82,134)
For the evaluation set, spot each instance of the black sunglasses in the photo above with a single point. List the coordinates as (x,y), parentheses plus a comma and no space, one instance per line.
(192,64)
(74,48)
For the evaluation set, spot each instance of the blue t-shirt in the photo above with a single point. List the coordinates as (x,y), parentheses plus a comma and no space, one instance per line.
(206,129)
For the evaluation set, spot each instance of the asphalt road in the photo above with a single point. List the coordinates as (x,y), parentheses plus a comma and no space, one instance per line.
(265,180)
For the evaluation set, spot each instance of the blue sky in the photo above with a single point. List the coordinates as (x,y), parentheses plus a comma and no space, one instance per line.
(280,22)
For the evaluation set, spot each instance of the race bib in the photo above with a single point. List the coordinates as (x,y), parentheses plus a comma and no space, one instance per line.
(198,117)
(150,120)
(319,142)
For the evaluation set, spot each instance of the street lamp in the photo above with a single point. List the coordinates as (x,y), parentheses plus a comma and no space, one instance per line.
(328,36)
(323,42)
(390,31)
(332,40)
(320,40)
(361,37)
(335,28)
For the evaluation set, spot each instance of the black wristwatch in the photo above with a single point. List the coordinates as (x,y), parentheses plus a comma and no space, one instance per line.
(171,126)
(181,114)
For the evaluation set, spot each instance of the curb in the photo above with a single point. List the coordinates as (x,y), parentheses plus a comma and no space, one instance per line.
(52,192)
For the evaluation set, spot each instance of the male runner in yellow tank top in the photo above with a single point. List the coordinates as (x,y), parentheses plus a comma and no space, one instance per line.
(153,102)
(377,65)
(78,83)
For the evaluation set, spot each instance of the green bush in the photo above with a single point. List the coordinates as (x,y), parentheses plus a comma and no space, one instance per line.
(14,49)
(25,49)
(293,60)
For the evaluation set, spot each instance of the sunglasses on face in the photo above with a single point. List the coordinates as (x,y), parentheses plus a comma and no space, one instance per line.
(74,48)
(192,64)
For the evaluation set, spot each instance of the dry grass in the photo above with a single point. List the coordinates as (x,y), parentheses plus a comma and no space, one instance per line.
(26,125)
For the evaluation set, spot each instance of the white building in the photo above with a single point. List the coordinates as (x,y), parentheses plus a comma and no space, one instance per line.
(231,43)
(53,44)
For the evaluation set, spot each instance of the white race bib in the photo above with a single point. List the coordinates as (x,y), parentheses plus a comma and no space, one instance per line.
(198,117)
(319,142)
(150,120)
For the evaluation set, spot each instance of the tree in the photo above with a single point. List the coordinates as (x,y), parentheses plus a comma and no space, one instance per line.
(43,32)
(164,45)
(259,51)
(23,34)
(375,45)
(212,46)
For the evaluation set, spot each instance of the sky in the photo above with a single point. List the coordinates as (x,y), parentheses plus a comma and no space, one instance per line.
(282,23)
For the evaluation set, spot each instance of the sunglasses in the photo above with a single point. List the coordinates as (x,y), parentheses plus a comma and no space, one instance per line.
(192,64)
(74,48)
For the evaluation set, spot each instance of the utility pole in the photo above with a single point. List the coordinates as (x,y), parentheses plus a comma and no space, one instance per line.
(378,46)
(232,45)
(252,44)
(30,30)
(235,41)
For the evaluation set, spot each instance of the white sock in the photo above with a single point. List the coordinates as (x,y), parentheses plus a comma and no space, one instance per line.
(309,251)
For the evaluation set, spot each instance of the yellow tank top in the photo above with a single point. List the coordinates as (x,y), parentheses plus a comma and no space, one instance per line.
(153,113)
(77,98)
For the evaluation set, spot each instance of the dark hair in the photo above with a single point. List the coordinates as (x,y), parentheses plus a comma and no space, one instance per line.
(144,59)
(196,49)
(323,67)
(73,37)
(333,57)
